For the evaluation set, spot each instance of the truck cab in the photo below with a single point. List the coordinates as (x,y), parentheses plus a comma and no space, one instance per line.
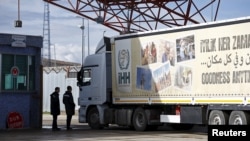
(94,82)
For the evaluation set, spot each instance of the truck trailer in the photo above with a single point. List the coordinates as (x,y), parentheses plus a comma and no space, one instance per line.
(182,76)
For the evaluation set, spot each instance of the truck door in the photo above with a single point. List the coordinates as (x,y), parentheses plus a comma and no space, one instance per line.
(90,87)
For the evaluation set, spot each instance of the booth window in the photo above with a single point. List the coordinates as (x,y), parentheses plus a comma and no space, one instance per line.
(22,77)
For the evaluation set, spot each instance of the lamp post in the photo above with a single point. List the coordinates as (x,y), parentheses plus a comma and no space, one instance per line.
(83,36)
(88,36)
(82,28)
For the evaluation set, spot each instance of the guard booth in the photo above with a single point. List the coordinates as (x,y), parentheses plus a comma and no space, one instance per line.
(20,81)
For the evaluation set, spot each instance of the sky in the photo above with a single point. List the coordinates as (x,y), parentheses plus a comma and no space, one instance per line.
(65,33)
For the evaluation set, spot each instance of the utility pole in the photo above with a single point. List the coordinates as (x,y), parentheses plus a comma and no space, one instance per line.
(46,34)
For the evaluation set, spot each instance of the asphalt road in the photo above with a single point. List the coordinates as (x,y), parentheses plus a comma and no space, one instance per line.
(82,132)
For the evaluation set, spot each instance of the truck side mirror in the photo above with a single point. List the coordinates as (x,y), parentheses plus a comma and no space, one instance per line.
(80,77)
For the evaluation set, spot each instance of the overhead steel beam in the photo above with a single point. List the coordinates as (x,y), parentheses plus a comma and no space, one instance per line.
(142,15)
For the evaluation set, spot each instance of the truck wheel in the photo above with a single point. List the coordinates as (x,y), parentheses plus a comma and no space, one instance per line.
(140,120)
(94,119)
(238,118)
(217,117)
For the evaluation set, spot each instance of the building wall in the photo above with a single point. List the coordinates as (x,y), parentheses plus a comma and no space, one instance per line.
(58,77)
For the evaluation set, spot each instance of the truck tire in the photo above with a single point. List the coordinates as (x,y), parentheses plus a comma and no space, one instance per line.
(140,121)
(94,119)
(217,117)
(238,118)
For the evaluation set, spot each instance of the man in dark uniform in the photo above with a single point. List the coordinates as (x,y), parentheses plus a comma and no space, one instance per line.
(55,108)
(68,101)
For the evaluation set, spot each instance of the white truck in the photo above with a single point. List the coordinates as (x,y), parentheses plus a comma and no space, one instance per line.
(183,76)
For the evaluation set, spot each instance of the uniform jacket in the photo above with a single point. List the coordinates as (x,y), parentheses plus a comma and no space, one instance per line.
(68,101)
(54,104)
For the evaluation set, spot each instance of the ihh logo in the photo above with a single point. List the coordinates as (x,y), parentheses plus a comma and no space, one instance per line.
(123,59)
(124,78)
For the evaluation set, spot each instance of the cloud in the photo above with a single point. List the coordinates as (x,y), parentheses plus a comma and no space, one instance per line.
(67,52)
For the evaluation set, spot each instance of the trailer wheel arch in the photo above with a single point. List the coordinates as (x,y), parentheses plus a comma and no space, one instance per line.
(239,118)
(218,117)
